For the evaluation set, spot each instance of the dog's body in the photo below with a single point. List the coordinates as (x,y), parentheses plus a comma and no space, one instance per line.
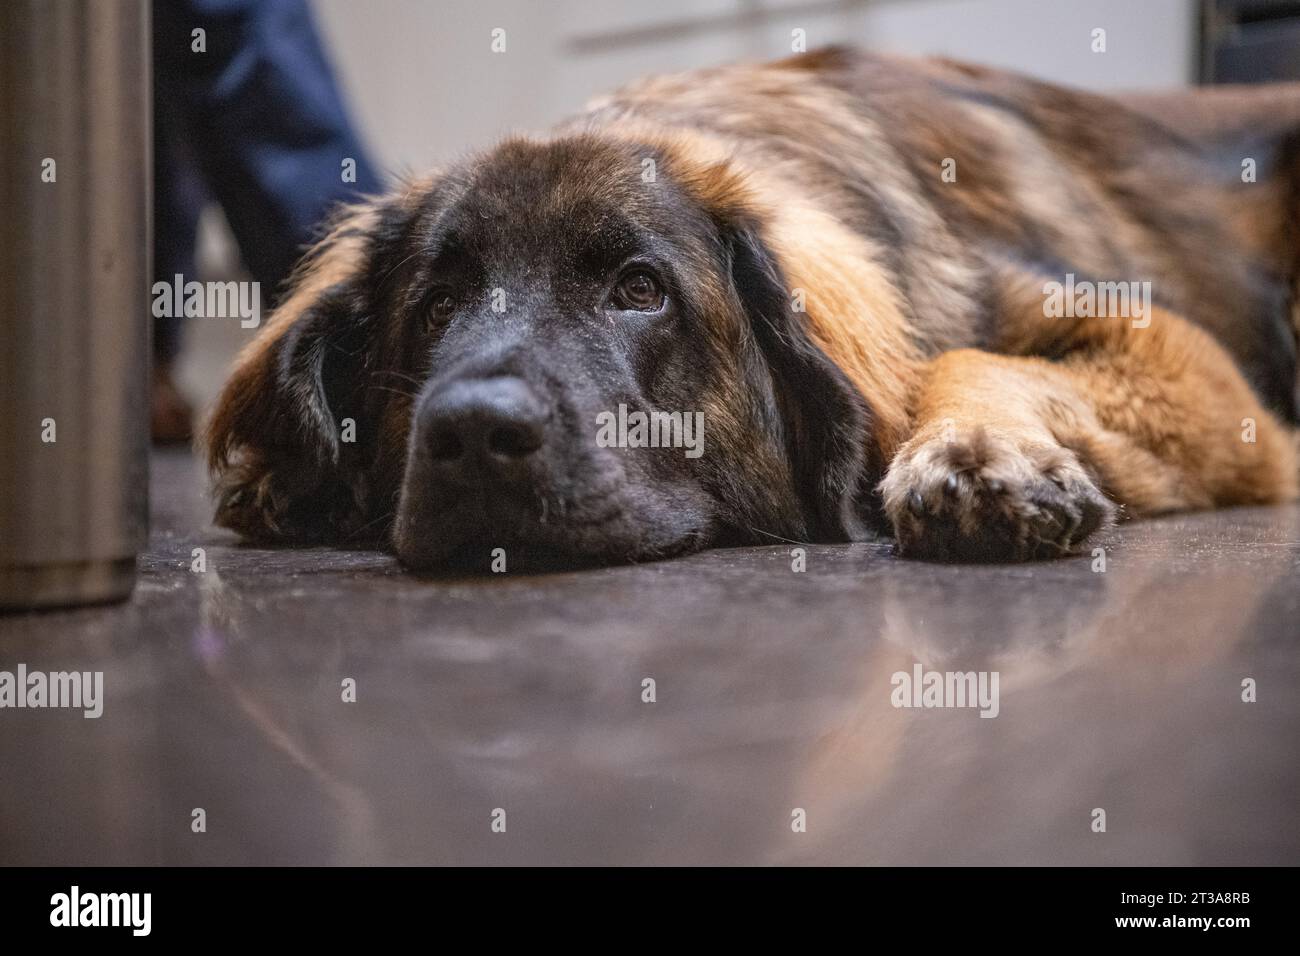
(843,260)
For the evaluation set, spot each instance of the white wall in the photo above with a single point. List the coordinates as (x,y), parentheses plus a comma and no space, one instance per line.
(425,86)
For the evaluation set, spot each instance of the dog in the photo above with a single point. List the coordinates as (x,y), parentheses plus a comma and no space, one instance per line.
(896,291)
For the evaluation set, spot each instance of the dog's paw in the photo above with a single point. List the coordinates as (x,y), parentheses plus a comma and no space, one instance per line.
(977,494)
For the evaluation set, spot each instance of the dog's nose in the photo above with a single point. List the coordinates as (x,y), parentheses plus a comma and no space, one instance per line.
(482,428)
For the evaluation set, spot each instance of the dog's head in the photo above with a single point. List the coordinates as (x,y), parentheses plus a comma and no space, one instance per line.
(580,349)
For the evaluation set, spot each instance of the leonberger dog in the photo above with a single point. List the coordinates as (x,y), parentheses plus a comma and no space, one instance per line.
(981,313)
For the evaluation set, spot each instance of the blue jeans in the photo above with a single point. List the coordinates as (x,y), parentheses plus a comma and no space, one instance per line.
(256,122)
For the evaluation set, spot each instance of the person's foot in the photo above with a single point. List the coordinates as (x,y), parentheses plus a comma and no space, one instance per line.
(171,417)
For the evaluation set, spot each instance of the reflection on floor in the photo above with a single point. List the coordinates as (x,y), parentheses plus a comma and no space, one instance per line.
(772,736)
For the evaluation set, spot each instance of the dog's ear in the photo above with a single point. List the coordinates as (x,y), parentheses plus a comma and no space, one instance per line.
(280,443)
(826,420)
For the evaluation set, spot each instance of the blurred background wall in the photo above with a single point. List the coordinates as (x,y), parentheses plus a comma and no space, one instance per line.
(424,85)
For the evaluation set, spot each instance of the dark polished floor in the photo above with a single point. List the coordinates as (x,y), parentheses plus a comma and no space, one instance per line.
(1119,690)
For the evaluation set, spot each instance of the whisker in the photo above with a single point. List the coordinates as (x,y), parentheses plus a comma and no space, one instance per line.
(385,371)
(389,274)
(356,531)
(395,391)
(776,536)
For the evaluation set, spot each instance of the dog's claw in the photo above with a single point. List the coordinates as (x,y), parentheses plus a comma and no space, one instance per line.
(915,503)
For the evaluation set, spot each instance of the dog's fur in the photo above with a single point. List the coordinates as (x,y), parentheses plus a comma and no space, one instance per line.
(867,339)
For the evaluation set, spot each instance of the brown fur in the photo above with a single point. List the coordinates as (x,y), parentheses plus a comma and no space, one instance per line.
(1000,432)
(1151,418)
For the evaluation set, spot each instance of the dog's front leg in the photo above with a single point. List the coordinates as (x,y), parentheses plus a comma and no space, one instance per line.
(1017,457)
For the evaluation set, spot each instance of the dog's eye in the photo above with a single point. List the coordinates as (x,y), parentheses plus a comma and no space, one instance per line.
(637,291)
(442,304)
